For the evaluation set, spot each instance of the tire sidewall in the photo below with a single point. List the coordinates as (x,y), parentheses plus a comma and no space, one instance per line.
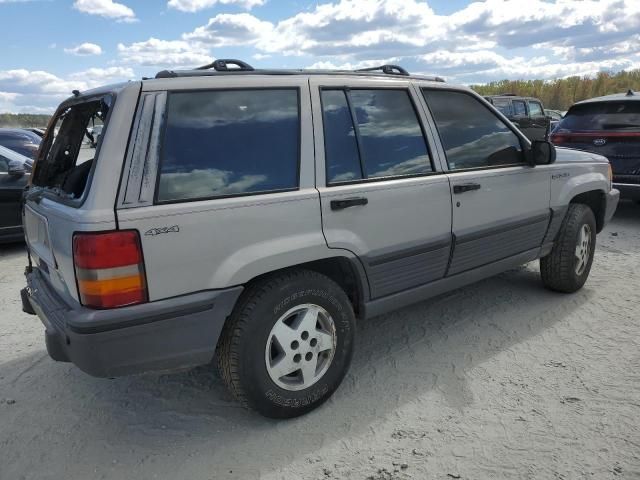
(262,393)
(586,217)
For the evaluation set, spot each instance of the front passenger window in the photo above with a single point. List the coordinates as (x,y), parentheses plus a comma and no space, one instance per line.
(472,135)
(536,109)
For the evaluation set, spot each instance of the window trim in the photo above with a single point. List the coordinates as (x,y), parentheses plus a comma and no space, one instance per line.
(161,139)
(49,137)
(523,144)
(345,89)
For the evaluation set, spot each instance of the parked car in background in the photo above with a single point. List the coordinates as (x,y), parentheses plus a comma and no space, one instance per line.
(14,176)
(20,140)
(93,135)
(37,131)
(527,113)
(608,126)
(554,117)
(159,254)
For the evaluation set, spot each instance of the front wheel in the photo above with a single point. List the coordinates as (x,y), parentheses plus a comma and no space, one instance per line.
(567,267)
(288,344)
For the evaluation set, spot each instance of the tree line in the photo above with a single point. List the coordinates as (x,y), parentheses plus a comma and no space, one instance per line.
(561,93)
(23,120)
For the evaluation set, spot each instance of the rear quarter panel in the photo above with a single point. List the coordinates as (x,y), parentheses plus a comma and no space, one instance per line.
(97,211)
(222,242)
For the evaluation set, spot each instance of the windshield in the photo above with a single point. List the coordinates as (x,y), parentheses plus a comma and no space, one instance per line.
(70,145)
(603,116)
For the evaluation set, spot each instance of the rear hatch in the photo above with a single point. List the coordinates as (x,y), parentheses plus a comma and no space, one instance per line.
(611,129)
(75,179)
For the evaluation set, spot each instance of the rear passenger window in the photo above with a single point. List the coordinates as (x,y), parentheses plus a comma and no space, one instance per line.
(472,135)
(340,144)
(229,142)
(372,134)
(519,108)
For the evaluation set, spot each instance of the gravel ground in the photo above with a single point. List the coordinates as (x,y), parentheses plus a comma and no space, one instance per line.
(501,379)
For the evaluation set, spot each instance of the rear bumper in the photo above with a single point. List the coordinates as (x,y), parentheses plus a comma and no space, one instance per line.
(628,190)
(612,198)
(168,334)
(11,234)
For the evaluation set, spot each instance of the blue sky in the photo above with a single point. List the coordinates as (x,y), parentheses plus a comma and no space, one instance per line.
(50,47)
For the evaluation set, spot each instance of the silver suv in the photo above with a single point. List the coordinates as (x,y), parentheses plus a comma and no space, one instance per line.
(254,215)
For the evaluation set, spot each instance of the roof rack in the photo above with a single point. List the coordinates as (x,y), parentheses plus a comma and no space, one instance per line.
(230,66)
(388,69)
(221,65)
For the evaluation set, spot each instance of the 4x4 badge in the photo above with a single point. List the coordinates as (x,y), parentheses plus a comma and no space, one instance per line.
(598,142)
(159,230)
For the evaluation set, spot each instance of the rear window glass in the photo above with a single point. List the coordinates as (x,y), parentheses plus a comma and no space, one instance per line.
(519,108)
(70,145)
(340,144)
(504,106)
(536,109)
(372,134)
(603,116)
(229,142)
(390,135)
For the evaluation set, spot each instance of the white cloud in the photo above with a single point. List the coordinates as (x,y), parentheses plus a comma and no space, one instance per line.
(107,9)
(197,5)
(85,49)
(40,91)
(231,29)
(165,53)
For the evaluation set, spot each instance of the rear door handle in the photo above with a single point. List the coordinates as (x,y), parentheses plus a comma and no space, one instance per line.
(466,187)
(348,202)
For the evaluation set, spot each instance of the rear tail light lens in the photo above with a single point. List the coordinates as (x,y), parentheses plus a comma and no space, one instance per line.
(109,269)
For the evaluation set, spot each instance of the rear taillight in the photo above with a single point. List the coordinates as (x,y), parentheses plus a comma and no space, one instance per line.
(109,269)
(557,139)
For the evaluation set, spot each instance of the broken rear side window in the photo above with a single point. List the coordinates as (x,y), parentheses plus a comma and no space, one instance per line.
(70,146)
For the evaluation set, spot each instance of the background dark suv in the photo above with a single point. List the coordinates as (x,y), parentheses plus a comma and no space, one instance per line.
(20,140)
(527,113)
(608,126)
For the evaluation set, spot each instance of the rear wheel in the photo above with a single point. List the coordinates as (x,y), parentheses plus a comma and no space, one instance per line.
(567,267)
(288,343)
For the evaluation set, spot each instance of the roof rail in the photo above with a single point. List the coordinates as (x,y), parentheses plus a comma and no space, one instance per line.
(230,66)
(388,69)
(221,65)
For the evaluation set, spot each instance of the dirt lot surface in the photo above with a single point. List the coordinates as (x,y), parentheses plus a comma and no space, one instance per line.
(501,379)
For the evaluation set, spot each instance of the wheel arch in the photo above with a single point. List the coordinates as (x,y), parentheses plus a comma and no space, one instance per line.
(596,201)
(347,271)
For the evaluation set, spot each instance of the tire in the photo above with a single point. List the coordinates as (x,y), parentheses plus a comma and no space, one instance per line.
(563,270)
(263,317)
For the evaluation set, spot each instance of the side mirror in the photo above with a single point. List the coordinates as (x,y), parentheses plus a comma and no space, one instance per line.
(16,169)
(542,153)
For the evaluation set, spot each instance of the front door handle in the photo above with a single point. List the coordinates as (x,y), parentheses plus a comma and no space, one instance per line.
(466,187)
(348,202)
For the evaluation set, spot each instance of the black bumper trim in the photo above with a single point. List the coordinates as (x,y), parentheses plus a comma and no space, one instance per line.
(630,191)
(168,334)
